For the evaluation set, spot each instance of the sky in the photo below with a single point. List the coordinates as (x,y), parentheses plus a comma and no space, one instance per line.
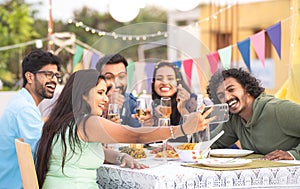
(63,9)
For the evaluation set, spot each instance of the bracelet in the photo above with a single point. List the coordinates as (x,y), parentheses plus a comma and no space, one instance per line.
(120,158)
(181,128)
(172,133)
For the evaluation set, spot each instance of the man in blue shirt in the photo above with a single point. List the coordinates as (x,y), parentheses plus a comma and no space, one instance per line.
(21,117)
(113,67)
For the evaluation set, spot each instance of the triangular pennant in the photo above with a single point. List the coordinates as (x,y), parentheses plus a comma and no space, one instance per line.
(244,48)
(130,71)
(95,58)
(188,64)
(213,60)
(178,64)
(86,59)
(258,42)
(225,56)
(77,56)
(139,75)
(149,71)
(274,33)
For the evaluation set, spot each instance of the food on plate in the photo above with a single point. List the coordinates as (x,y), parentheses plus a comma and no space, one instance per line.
(169,154)
(160,149)
(134,152)
(186,146)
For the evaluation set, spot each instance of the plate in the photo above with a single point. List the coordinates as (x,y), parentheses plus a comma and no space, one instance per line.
(224,162)
(230,152)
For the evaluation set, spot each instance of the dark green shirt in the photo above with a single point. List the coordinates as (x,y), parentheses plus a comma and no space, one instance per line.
(274,125)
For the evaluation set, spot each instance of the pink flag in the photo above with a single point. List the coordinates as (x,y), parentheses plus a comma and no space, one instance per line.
(213,60)
(188,64)
(258,42)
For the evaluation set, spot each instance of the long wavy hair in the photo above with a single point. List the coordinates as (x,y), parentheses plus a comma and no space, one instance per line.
(69,110)
(250,83)
(175,116)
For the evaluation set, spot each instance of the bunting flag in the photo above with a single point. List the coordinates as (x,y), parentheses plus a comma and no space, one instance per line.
(213,60)
(187,65)
(130,72)
(139,75)
(225,56)
(274,33)
(244,48)
(77,56)
(178,64)
(95,58)
(149,71)
(258,42)
(86,60)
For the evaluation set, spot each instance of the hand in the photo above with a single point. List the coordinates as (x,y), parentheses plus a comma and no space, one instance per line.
(115,97)
(129,162)
(189,126)
(182,98)
(147,120)
(182,94)
(278,155)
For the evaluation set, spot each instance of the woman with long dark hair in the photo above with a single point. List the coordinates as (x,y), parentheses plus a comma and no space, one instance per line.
(168,82)
(70,149)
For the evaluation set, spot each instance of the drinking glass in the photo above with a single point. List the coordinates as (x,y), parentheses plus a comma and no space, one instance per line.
(141,109)
(165,108)
(113,111)
(164,122)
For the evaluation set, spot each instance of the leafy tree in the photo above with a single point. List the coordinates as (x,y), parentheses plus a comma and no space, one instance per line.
(16,26)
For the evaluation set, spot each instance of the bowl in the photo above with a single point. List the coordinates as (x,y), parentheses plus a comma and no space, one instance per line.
(187,155)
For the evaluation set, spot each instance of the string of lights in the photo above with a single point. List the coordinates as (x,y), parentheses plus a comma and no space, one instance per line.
(124,37)
(117,35)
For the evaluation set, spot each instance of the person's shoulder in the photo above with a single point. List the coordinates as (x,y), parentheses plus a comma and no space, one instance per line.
(130,96)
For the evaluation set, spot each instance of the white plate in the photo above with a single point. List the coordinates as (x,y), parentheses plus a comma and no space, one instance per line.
(230,152)
(224,162)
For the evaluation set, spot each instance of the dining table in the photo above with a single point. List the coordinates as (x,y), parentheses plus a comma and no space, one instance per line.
(177,174)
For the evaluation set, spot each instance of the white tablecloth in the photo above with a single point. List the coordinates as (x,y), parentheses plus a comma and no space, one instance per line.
(173,175)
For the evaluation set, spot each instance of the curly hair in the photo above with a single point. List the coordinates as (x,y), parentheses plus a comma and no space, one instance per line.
(250,83)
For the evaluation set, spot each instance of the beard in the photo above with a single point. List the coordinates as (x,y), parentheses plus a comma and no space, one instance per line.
(41,89)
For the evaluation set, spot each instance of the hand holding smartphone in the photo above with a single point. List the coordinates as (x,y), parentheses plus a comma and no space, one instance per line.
(220,111)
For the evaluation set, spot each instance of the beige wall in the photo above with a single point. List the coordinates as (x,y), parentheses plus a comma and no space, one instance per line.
(242,21)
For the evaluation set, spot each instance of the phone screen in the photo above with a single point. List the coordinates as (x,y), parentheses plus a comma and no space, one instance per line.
(220,111)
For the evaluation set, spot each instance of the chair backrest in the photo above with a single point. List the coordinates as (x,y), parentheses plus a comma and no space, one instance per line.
(26,164)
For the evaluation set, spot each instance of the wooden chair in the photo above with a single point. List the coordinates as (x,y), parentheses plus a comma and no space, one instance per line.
(26,164)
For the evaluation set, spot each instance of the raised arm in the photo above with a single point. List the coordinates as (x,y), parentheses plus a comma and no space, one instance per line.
(98,129)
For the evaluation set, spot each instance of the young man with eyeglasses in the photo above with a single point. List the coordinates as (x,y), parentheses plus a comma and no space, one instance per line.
(21,117)
(113,67)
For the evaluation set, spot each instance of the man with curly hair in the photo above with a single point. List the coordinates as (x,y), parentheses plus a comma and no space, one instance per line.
(263,123)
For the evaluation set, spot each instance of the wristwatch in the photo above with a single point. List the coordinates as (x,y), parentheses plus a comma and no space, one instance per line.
(120,158)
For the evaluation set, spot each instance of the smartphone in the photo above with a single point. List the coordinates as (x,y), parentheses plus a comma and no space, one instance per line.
(220,111)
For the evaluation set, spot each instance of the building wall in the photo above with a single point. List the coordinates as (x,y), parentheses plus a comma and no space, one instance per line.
(244,20)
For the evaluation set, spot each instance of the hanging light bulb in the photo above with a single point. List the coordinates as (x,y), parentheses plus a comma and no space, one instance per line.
(124,10)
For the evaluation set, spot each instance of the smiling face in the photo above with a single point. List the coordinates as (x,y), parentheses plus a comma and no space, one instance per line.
(165,81)
(97,98)
(41,84)
(238,99)
(115,73)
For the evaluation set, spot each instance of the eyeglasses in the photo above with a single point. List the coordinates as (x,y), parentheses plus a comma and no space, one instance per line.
(110,77)
(49,74)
